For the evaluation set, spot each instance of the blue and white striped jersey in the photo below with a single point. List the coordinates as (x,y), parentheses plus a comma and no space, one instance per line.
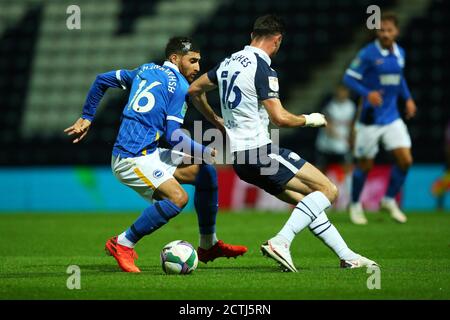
(244,80)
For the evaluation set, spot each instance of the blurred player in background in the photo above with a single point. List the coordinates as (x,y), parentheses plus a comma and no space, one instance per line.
(156,108)
(333,143)
(249,93)
(376,74)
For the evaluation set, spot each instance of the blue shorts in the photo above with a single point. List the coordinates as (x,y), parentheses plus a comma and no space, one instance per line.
(268,167)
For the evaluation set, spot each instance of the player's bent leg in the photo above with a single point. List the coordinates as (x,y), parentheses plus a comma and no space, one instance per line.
(290,197)
(305,212)
(173,199)
(398,175)
(309,179)
(277,247)
(186,173)
(310,212)
(206,202)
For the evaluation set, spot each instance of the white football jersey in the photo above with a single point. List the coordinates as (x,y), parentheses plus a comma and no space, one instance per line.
(244,80)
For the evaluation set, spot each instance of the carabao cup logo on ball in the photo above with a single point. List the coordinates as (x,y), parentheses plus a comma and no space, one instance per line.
(178,257)
(158,174)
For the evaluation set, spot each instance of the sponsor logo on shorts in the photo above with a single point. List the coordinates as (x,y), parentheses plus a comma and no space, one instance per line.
(158,174)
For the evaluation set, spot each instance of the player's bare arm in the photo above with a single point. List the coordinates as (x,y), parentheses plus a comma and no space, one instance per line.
(284,119)
(201,104)
(197,92)
(201,85)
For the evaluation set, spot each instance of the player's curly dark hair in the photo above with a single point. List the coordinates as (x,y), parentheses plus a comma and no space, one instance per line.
(268,25)
(180,45)
(390,16)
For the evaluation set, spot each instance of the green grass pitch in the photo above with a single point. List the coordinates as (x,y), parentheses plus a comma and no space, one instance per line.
(36,250)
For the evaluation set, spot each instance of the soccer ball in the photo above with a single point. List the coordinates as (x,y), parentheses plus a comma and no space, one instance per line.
(179,257)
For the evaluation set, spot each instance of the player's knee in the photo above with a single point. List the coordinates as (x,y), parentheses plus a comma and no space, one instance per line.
(179,198)
(330,191)
(406,163)
(334,192)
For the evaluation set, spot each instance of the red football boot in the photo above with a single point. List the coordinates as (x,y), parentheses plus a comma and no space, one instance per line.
(124,256)
(220,249)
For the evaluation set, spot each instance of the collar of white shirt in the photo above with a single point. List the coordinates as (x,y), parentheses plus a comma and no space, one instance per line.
(171,65)
(384,52)
(260,52)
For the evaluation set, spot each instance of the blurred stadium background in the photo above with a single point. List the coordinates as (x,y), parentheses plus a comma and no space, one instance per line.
(46,70)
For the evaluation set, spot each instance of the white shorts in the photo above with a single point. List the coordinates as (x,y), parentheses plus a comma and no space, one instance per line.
(146,173)
(393,135)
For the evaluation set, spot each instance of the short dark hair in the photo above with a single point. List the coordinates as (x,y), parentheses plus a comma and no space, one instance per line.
(268,25)
(180,45)
(390,16)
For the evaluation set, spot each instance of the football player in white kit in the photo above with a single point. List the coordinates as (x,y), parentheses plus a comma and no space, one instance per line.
(249,94)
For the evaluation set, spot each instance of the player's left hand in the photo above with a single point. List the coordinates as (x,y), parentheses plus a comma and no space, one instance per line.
(220,124)
(80,128)
(411,108)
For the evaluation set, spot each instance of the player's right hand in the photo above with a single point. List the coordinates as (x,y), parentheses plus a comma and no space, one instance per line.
(374,98)
(80,128)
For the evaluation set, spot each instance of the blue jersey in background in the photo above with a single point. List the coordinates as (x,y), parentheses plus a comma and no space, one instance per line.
(376,68)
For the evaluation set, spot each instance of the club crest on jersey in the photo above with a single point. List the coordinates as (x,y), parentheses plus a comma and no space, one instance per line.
(184,109)
(273,83)
(158,174)
(355,63)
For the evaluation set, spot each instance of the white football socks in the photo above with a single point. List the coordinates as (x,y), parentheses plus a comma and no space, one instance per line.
(304,213)
(207,240)
(310,212)
(123,240)
(327,232)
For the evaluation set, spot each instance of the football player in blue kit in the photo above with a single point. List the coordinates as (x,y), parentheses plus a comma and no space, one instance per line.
(156,107)
(376,74)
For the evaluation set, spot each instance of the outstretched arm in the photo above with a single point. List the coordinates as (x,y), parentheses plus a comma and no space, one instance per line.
(283,118)
(113,79)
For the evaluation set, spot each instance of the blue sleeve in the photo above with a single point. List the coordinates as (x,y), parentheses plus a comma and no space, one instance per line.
(266,81)
(212,74)
(126,77)
(404,90)
(177,105)
(176,136)
(355,85)
(113,79)
(355,73)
